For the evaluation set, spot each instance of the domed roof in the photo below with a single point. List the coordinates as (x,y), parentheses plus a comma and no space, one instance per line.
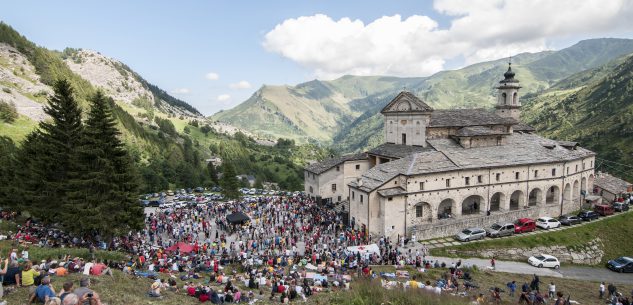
(509,76)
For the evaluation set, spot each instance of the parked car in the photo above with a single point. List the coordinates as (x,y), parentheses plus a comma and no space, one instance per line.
(568,220)
(471,234)
(524,225)
(603,209)
(170,193)
(621,264)
(544,260)
(588,215)
(620,206)
(198,189)
(547,223)
(499,230)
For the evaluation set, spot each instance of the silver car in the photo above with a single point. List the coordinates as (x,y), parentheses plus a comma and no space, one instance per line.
(500,229)
(471,234)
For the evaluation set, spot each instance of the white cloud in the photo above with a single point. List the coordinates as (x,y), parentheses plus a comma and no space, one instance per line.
(212,76)
(240,85)
(417,46)
(181,91)
(223,97)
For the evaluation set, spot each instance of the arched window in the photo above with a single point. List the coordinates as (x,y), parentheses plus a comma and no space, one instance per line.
(504,96)
(514,98)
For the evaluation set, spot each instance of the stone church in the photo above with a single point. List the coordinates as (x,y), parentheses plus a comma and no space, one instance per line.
(440,171)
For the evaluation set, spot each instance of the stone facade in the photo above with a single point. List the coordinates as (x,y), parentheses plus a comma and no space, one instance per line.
(441,171)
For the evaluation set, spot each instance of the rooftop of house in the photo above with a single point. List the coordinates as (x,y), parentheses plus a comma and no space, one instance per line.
(467,117)
(611,184)
(323,166)
(395,151)
(446,155)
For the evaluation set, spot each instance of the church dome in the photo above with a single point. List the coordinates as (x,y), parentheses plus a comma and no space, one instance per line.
(509,76)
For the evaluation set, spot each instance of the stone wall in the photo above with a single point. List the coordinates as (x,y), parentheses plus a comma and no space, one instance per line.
(589,254)
(450,227)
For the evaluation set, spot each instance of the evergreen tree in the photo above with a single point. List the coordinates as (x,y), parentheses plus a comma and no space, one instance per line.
(8,153)
(229,182)
(105,197)
(48,158)
(213,173)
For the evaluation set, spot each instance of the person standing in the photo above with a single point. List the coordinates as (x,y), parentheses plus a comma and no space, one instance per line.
(493,263)
(513,287)
(551,290)
(601,290)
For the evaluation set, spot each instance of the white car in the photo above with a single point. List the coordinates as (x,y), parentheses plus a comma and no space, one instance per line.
(544,260)
(547,223)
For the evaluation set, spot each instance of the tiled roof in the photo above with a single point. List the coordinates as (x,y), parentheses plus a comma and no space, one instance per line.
(396,150)
(320,167)
(447,155)
(478,131)
(467,117)
(611,184)
(391,191)
(523,127)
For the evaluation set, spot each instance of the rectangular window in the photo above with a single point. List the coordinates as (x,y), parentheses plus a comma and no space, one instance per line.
(448,182)
(421,186)
(567,170)
(361,198)
(467,180)
(576,168)
(333,187)
(498,177)
(536,174)
(591,164)
(389,198)
(338,168)
(404,139)
(480,179)
(553,172)
(516,175)
(357,166)
(339,198)
(583,166)
(353,195)
(418,211)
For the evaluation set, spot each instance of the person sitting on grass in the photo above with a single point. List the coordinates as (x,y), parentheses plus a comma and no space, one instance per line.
(155,289)
(28,276)
(43,292)
(100,268)
(66,290)
(86,294)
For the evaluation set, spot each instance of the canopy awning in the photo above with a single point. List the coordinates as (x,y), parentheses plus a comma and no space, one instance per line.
(237,217)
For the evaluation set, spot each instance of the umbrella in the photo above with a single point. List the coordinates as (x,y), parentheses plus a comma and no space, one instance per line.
(182,247)
(237,217)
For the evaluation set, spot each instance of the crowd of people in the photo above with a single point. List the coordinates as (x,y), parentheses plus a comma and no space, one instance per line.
(287,248)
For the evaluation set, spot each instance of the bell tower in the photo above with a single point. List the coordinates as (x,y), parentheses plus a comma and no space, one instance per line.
(508,104)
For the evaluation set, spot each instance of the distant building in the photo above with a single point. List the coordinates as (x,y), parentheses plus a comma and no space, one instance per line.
(440,171)
(215,160)
(610,187)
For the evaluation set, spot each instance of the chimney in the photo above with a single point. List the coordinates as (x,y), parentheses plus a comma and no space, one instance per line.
(360,182)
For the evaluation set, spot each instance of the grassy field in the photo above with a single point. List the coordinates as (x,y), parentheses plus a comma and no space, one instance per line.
(615,233)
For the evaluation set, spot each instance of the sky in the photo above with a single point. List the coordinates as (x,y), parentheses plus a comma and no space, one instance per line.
(216,54)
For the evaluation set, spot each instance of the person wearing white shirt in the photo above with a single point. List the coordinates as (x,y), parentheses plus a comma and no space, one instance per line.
(87,268)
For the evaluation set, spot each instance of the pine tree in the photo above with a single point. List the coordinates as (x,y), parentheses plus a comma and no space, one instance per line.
(106,198)
(48,157)
(213,173)
(229,182)
(8,153)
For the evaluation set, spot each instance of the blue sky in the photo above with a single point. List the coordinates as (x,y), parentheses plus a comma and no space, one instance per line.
(174,44)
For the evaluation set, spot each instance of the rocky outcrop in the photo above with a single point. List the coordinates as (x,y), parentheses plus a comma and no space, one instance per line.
(110,75)
(588,254)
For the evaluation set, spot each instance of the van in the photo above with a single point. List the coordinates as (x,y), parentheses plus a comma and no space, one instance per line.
(603,209)
(500,229)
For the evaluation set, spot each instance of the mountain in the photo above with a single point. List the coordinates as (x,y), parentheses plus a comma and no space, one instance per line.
(302,113)
(168,138)
(593,107)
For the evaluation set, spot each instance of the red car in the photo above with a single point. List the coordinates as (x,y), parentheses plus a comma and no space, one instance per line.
(524,225)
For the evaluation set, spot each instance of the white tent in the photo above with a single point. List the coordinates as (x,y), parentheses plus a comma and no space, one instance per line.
(364,250)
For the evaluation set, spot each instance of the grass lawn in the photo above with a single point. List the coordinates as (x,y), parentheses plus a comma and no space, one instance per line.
(615,233)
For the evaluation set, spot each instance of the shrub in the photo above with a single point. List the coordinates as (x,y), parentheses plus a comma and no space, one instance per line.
(8,113)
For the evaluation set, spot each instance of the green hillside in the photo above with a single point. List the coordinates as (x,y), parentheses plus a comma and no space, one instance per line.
(345,110)
(168,138)
(595,108)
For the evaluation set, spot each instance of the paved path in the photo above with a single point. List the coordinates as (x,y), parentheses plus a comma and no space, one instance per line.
(570,272)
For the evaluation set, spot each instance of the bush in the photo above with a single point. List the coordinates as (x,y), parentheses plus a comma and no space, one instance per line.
(8,113)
